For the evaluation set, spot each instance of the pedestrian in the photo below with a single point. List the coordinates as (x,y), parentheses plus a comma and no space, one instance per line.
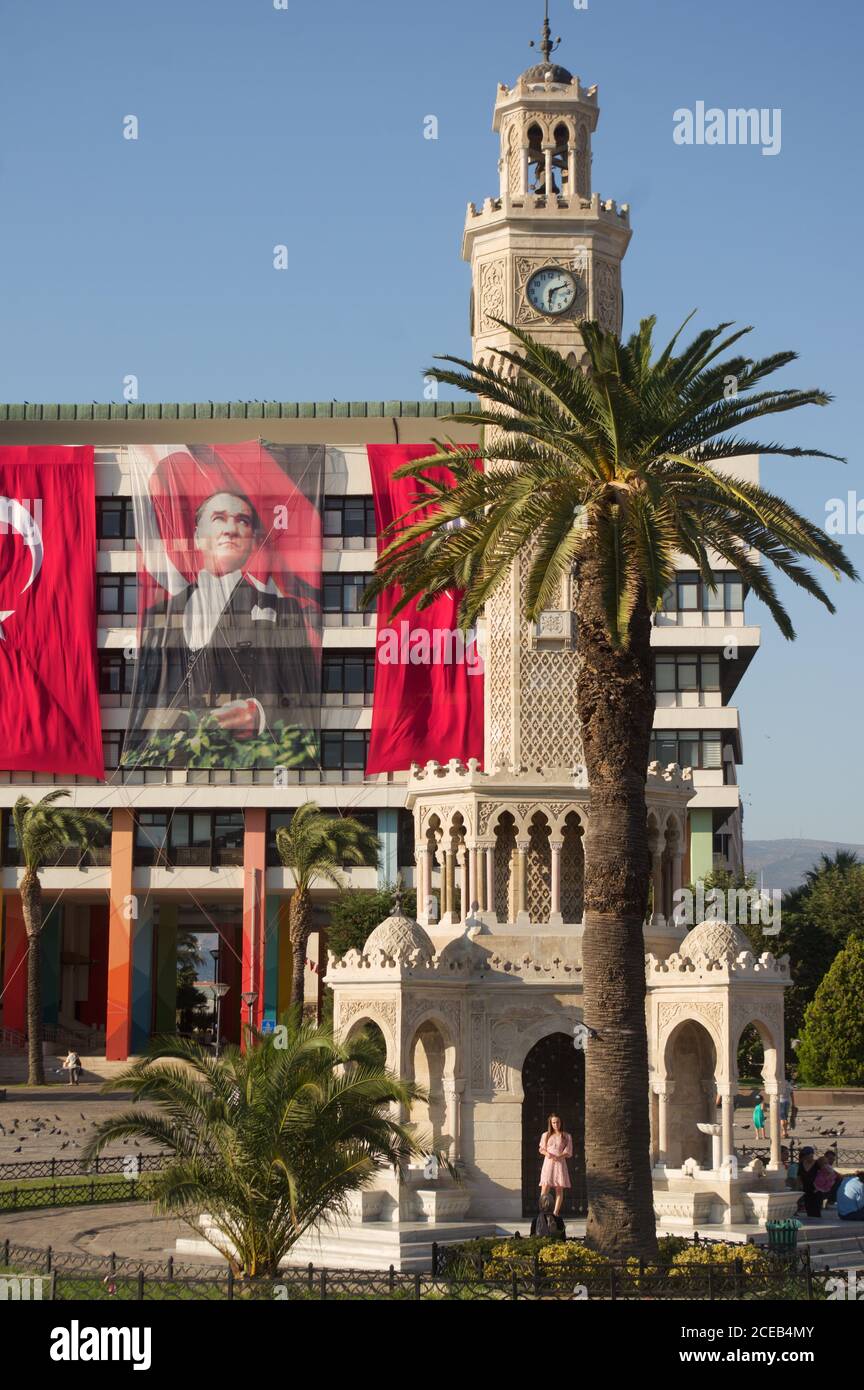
(547,1222)
(785,1097)
(556,1146)
(759,1118)
(850,1198)
(72,1064)
(827,1180)
(808,1170)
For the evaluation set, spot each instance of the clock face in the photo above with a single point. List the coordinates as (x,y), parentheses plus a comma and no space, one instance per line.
(552,290)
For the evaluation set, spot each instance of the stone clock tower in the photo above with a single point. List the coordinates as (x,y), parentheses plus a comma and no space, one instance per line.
(546,252)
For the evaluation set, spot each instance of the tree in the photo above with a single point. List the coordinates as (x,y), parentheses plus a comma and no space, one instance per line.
(831,1052)
(818,918)
(266,1142)
(356,913)
(317,845)
(608,475)
(43,830)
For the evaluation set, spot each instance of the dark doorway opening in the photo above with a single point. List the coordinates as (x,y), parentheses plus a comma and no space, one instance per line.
(553,1082)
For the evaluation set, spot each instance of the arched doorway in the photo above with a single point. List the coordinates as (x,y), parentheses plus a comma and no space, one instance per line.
(553,1081)
(691,1063)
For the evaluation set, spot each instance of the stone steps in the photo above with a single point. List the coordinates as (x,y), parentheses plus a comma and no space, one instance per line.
(371,1245)
(13,1068)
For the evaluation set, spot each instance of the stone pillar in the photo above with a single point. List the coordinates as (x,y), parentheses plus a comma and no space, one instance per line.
(555,918)
(490,880)
(771,1089)
(658,919)
(726,1092)
(473,894)
(424,883)
(522,915)
(464,882)
(548,153)
(444,904)
(663,1091)
(524,189)
(451,888)
(677,865)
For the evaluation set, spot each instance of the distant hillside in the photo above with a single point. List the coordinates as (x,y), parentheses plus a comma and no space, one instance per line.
(783,863)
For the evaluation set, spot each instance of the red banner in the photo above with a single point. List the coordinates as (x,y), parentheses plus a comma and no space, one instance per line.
(49,711)
(428,674)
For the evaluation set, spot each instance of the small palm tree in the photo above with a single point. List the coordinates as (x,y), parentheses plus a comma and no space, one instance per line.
(607,475)
(266,1141)
(43,830)
(317,845)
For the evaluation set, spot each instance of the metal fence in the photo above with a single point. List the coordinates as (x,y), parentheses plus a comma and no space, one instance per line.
(75,1277)
(847,1157)
(75,1168)
(66,1195)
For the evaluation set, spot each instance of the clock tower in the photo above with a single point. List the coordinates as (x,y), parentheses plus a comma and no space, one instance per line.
(547,251)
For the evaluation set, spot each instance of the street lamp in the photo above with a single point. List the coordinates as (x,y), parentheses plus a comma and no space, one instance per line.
(250,999)
(220,989)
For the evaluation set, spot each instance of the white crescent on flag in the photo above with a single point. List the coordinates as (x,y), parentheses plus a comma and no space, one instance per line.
(14,515)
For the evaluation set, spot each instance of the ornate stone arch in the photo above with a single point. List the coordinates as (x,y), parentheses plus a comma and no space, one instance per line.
(355,1013)
(709,1014)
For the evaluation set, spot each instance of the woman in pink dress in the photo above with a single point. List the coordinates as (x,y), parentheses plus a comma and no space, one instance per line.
(556,1147)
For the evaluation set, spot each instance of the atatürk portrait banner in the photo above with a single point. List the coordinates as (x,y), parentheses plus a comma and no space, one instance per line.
(228,669)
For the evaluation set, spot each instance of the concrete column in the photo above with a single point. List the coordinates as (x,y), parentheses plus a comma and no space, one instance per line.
(424,883)
(771,1091)
(555,918)
(122,912)
(548,152)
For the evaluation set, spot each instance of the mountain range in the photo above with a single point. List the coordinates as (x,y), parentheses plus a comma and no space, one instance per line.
(783,863)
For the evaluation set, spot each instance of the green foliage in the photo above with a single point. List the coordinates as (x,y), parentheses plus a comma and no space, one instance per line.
(615,464)
(356,913)
(43,829)
(317,844)
(832,1039)
(203,742)
(267,1142)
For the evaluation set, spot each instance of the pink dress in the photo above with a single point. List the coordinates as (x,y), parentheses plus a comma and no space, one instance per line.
(559,1148)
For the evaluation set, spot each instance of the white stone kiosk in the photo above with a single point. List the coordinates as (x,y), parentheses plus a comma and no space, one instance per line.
(700,1000)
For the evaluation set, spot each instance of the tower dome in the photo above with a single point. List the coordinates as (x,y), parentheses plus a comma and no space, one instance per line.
(714,941)
(399,938)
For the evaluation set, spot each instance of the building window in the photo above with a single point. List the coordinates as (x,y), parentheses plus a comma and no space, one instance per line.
(116,673)
(686,671)
(696,748)
(347,677)
(207,839)
(344,749)
(348,517)
(275,819)
(115,521)
(405,840)
(70,857)
(689,594)
(118,595)
(342,592)
(112,748)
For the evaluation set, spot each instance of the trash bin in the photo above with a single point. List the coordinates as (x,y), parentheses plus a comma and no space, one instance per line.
(783,1235)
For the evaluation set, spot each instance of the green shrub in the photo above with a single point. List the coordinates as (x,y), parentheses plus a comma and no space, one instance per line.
(831,1052)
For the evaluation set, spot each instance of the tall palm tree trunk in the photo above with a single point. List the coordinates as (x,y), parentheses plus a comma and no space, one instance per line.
(31,907)
(299,927)
(615,700)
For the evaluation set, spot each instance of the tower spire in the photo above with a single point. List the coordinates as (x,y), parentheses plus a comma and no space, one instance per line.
(548,45)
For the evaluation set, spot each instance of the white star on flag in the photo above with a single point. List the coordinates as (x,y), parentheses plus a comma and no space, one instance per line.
(3,616)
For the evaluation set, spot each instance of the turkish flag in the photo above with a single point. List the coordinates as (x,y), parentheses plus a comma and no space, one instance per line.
(49,701)
(428,701)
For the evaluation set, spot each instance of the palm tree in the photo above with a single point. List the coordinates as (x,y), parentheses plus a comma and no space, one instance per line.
(316,845)
(265,1141)
(608,474)
(43,830)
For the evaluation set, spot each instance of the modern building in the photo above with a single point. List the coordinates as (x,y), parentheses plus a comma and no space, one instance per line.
(479,1001)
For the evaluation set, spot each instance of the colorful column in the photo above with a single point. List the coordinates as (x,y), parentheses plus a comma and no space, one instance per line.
(52,940)
(271,961)
(165,1016)
(254,911)
(122,911)
(285,959)
(14,965)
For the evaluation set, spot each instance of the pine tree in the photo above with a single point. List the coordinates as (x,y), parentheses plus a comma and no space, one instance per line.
(831,1052)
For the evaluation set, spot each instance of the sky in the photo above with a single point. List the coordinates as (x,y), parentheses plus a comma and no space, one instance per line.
(264,123)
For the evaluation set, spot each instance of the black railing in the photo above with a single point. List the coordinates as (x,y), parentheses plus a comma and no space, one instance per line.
(112,1278)
(76,1168)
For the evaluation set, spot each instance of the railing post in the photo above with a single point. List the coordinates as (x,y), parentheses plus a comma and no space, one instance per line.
(113,1262)
(140,1286)
(230,1281)
(53,1294)
(391,1278)
(6,1253)
(434,1259)
(310,1274)
(48,1255)
(170,1266)
(710,1283)
(417,1286)
(322,1285)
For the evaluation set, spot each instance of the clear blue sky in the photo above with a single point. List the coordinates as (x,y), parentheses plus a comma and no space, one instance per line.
(304,126)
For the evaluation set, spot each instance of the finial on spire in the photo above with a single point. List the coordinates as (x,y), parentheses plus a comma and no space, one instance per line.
(548,45)
(397,897)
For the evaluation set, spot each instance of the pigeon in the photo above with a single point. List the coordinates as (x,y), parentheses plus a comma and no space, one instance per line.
(18,1150)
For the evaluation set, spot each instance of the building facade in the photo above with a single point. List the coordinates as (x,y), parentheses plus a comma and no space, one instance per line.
(194,850)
